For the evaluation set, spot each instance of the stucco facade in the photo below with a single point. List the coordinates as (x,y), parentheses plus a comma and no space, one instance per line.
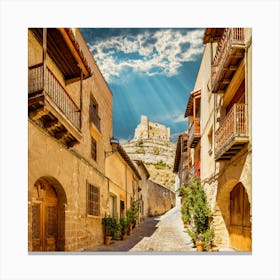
(220,134)
(222,168)
(66,154)
(124,181)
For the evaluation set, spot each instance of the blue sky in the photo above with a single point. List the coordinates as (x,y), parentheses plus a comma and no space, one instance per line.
(150,71)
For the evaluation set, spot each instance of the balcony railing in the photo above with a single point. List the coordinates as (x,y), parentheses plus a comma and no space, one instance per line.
(47,83)
(194,133)
(94,118)
(232,37)
(234,125)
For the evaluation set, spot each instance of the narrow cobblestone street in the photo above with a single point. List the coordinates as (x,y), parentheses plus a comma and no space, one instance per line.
(164,233)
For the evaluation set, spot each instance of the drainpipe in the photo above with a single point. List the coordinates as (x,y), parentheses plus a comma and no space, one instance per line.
(81,99)
(44,55)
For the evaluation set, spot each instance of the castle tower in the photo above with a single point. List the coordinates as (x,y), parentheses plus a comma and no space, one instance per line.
(141,131)
(151,130)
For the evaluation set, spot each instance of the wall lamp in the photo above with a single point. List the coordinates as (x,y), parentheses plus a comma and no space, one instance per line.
(114,143)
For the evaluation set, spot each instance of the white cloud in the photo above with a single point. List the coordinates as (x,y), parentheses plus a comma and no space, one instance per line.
(161,52)
(180,118)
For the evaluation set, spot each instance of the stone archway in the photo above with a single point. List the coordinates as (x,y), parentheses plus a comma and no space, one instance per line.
(48,215)
(240,223)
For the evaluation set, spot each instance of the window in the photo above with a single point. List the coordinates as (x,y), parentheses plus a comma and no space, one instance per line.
(92,200)
(93,113)
(122,208)
(93,149)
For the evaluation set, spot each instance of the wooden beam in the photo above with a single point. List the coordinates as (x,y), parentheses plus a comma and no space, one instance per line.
(37,114)
(74,51)
(60,134)
(226,81)
(51,123)
(233,67)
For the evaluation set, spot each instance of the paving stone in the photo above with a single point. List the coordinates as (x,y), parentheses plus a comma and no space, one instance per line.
(164,233)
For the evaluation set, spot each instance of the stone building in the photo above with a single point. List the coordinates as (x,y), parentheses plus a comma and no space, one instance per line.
(69,131)
(156,152)
(151,130)
(124,180)
(155,199)
(223,114)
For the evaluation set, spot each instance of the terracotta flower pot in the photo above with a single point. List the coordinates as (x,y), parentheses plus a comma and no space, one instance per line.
(199,246)
(129,231)
(107,240)
(124,235)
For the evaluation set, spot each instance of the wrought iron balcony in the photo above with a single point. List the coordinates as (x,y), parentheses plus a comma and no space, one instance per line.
(232,134)
(51,106)
(194,133)
(230,52)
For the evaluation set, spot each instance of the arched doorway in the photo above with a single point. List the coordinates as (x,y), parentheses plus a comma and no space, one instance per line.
(240,224)
(48,216)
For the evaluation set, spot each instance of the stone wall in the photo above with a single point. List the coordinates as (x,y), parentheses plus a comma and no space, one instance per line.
(151,130)
(160,199)
(51,160)
(158,157)
(70,169)
(151,151)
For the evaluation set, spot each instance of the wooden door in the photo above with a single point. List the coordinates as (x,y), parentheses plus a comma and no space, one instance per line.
(44,218)
(240,224)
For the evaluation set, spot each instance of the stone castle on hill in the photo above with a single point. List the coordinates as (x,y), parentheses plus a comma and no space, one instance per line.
(151,144)
(151,130)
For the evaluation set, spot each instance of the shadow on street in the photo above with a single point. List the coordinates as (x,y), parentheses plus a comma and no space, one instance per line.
(145,229)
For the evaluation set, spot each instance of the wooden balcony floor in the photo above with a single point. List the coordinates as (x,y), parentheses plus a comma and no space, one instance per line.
(46,116)
(231,148)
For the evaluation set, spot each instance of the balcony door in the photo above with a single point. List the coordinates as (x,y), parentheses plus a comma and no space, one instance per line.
(240,224)
(44,217)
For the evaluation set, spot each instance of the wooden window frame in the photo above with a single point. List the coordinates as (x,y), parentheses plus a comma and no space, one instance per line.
(93,149)
(93,204)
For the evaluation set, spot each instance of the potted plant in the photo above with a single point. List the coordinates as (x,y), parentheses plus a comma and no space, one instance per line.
(199,243)
(124,227)
(185,214)
(134,212)
(117,231)
(196,209)
(109,224)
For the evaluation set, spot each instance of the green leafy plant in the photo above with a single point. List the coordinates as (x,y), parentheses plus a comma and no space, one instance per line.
(185,213)
(109,224)
(124,224)
(195,209)
(156,151)
(117,230)
(132,212)
(160,165)
(140,151)
(207,239)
